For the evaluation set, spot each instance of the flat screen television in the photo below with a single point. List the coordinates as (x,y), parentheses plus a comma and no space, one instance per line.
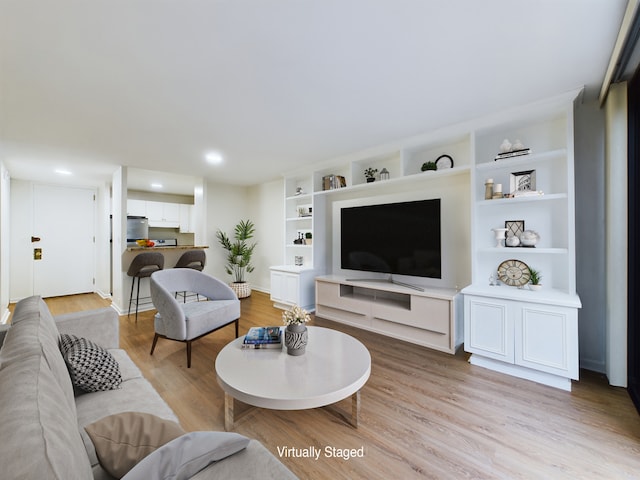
(397,238)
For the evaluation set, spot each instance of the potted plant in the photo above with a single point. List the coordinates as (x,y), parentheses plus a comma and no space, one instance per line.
(370,174)
(534,279)
(295,335)
(429,166)
(308,238)
(239,253)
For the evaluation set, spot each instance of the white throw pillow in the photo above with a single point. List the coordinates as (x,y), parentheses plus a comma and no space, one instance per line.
(185,456)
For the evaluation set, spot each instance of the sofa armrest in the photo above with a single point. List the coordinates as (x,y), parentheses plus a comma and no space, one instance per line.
(4,328)
(101,326)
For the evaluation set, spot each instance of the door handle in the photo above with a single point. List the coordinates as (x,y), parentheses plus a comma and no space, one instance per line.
(34,239)
(37,254)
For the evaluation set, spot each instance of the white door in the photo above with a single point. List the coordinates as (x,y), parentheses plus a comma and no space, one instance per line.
(63,230)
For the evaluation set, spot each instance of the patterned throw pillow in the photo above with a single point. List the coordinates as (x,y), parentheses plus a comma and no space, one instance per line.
(91,367)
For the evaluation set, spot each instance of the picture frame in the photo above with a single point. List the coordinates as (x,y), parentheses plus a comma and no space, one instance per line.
(523,182)
(514,228)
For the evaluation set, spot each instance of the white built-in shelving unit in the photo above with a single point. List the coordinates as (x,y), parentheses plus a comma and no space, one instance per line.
(513,330)
(308,204)
(529,334)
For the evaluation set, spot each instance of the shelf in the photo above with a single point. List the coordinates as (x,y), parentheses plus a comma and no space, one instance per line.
(299,246)
(532,198)
(304,196)
(299,219)
(535,251)
(291,268)
(416,177)
(524,160)
(546,295)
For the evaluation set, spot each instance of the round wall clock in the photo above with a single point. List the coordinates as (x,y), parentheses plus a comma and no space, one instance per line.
(444,161)
(514,273)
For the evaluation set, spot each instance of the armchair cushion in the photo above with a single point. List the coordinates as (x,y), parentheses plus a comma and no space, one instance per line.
(186,321)
(200,318)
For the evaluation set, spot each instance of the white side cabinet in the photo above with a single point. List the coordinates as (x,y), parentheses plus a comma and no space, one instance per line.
(536,341)
(292,286)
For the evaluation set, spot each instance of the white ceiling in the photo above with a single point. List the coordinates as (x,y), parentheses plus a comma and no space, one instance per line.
(272,84)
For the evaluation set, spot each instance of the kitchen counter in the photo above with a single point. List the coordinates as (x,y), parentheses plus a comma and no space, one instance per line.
(176,247)
(171,254)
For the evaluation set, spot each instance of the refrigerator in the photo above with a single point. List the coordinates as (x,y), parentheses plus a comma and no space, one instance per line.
(137,229)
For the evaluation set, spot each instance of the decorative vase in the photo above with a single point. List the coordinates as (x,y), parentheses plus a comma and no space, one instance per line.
(371,179)
(529,238)
(505,146)
(242,289)
(295,338)
(536,287)
(500,236)
(512,241)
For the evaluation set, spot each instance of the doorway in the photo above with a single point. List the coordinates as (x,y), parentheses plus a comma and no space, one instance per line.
(63,240)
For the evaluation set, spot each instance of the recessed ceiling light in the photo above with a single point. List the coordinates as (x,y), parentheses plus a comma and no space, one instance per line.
(61,171)
(214,158)
(156,185)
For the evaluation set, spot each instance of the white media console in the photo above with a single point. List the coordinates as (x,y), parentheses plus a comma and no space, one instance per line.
(432,318)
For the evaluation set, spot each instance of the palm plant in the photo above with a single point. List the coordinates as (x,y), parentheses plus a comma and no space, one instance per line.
(239,251)
(534,276)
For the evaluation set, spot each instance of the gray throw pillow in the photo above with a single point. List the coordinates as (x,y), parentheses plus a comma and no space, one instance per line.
(185,456)
(91,367)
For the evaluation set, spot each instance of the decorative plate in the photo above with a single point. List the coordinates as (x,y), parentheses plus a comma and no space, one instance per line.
(444,161)
(514,273)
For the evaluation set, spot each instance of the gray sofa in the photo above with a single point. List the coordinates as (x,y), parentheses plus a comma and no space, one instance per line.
(42,419)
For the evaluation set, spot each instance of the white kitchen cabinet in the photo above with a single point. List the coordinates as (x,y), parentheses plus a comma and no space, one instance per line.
(162,214)
(527,339)
(292,285)
(186,219)
(137,208)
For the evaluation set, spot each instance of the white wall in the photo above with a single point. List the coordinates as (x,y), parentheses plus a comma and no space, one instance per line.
(616,234)
(5,192)
(21,266)
(267,211)
(103,243)
(226,205)
(590,234)
(119,245)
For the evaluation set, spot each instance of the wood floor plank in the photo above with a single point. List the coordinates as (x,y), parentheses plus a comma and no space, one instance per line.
(423,414)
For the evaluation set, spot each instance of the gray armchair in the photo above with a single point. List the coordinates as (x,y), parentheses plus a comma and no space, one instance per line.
(186,322)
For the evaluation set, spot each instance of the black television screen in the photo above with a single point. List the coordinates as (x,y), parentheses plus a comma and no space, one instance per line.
(397,238)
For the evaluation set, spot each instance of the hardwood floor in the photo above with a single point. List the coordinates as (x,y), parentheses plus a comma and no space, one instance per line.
(424,414)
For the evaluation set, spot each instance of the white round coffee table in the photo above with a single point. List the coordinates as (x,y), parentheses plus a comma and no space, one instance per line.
(334,367)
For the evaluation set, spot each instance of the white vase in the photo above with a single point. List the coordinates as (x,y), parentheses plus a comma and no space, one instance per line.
(535,288)
(500,236)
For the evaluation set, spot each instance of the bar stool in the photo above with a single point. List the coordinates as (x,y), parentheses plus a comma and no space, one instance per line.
(142,266)
(194,259)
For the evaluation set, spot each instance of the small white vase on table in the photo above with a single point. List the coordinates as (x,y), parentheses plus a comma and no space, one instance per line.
(295,335)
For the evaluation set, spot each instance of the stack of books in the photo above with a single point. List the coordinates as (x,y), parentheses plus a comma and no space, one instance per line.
(331,182)
(513,153)
(263,337)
